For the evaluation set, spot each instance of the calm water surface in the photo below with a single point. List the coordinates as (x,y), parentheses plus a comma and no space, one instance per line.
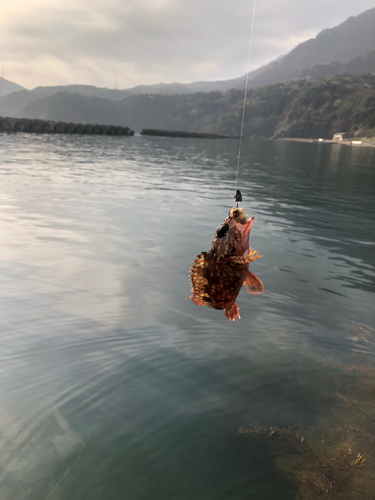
(114,385)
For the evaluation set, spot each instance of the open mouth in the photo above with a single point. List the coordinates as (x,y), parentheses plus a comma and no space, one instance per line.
(246,226)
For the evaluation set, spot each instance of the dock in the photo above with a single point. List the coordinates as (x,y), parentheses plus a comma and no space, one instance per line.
(179,133)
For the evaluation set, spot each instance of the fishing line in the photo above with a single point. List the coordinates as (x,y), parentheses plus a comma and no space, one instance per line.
(245,94)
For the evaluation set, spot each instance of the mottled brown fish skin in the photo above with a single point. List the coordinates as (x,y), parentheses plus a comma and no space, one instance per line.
(217,276)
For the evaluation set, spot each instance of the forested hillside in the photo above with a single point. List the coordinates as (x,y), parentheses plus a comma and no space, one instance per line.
(361,65)
(315,108)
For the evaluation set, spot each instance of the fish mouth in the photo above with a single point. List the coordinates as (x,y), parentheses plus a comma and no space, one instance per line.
(243,225)
(249,223)
(244,228)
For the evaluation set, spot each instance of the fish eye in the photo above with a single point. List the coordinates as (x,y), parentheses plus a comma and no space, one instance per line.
(222,230)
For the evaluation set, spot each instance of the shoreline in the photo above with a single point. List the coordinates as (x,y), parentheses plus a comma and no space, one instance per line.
(350,142)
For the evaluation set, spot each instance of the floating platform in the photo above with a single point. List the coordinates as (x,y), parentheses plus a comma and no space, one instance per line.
(178,133)
(53,127)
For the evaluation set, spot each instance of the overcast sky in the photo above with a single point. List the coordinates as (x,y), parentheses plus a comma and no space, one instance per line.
(132,42)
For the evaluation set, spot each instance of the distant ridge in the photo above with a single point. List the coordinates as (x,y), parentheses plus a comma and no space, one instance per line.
(360,65)
(354,37)
(192,88)
(345,49)
(86,90)
(303,108)
(12,104)
(7,87)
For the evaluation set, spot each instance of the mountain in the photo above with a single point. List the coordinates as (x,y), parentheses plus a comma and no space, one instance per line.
(315,108)
(294,109)
(192,88)
(6,87)
(11,104)
(352,38)
(346,49)
(86,90)
(360,65)
(74,108)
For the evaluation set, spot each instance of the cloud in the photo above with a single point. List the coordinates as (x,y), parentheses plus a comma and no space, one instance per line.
(152,41)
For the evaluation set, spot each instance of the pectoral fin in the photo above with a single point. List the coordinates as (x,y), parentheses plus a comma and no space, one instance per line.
(252,284)
(246,259)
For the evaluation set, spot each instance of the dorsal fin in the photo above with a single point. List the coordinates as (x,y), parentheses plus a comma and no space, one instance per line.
(199,281)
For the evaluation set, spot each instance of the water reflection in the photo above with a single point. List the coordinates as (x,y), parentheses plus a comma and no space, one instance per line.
(29,454)
(103,352)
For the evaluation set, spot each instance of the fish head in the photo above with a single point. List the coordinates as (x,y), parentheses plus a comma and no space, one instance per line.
(232,236)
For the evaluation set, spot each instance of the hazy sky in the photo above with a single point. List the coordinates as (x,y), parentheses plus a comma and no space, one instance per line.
(131,42)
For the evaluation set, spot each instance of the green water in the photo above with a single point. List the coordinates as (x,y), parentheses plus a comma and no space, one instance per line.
(114,384)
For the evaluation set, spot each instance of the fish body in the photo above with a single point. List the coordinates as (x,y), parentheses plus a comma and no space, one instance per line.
(218,275)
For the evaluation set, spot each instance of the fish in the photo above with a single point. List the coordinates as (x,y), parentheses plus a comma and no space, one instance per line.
(218,275)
